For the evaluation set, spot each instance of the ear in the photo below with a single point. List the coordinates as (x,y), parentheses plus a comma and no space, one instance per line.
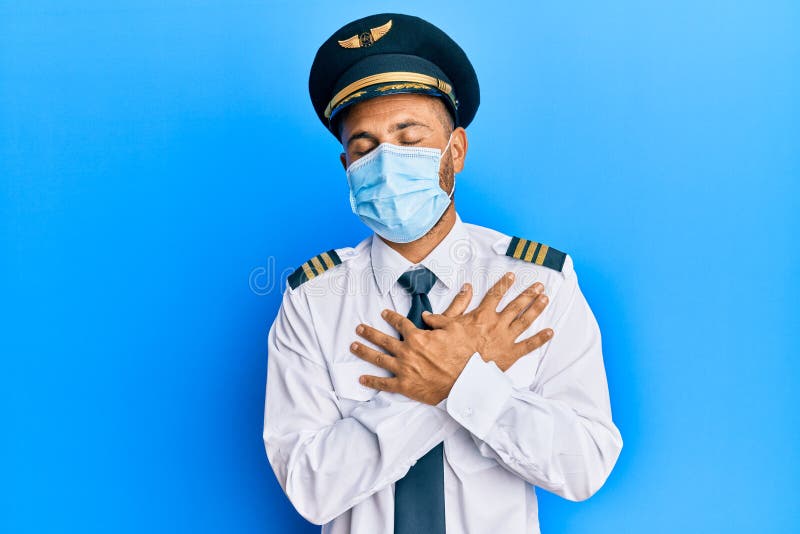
(343,159)
(458,148)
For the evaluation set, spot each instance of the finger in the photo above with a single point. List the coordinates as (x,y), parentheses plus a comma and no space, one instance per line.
(399,322)
(527,317)
(390,344)
(460,302)
(521,301)
(382,383)
(496,292)
(528,345)
(381,359)
(435,320)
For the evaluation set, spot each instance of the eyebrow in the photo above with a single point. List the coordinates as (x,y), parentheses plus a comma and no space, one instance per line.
(395,128)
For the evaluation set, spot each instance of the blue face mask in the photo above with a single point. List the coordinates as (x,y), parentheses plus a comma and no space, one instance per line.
(395,190)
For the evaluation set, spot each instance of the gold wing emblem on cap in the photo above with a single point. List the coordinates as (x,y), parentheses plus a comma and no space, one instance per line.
(366,38)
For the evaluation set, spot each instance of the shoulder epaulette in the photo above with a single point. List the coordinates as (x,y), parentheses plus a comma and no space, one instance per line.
(538,253)
(314,267)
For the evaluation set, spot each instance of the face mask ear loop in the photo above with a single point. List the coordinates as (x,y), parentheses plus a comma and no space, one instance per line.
(453,189)
(449,140)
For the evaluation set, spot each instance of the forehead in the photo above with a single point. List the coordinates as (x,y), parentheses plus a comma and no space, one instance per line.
(384,110)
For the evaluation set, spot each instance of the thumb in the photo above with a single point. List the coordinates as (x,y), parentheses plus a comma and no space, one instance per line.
(435,320)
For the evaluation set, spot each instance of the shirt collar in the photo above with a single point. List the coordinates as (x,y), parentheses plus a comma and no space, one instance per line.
(445,260)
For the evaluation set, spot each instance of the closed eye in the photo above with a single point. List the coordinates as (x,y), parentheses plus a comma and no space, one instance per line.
(365,149)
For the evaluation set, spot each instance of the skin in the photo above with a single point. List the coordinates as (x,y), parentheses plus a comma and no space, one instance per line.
(426,363)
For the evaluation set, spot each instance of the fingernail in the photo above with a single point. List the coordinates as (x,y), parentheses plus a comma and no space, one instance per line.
(362,379)
(353,346)
(360,329)
(510,276)
(384,313)
(425,312)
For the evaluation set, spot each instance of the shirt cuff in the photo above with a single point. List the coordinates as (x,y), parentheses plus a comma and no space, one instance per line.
(478,395)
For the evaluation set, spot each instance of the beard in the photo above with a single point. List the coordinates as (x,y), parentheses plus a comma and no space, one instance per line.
(447,179)
(446,174)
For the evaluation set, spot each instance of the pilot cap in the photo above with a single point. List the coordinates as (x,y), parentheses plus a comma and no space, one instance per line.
(390,53)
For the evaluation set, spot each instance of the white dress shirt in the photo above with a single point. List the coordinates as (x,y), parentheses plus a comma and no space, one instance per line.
(337,447)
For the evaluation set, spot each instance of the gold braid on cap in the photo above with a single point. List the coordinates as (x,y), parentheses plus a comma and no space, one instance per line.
(390,77)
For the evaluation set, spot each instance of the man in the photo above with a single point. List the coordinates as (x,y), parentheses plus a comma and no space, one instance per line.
(426,378)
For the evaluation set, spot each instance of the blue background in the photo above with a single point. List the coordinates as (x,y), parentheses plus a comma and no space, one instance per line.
(161,169)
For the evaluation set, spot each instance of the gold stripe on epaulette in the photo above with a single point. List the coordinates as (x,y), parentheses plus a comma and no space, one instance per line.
(317,264)
(520,248)
(314,267)
(535,252)
(307,269)
(542,254)
(531,250)
(327,259)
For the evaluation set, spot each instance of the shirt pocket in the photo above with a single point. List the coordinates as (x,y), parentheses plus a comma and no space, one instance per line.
(345,374)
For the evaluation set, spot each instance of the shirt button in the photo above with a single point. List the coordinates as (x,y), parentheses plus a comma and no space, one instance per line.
(467,412)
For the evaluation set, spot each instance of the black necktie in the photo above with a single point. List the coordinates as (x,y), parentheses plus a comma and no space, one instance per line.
(419,496)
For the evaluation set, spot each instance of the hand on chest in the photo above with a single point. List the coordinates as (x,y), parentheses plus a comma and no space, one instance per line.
(503,326)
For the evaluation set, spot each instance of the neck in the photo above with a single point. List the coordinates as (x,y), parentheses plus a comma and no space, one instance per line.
(416,251)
